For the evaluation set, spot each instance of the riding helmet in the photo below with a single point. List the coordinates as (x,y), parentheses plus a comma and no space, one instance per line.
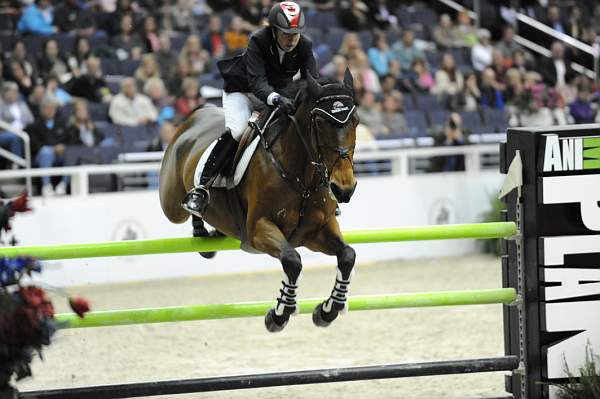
(287,16)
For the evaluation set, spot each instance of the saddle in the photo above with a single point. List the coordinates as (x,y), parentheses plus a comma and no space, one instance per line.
(260,121)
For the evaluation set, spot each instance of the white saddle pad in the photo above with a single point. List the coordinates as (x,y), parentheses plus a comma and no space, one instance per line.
(240,169)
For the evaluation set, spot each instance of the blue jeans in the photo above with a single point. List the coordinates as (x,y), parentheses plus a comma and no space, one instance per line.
(12,142)
(47,158)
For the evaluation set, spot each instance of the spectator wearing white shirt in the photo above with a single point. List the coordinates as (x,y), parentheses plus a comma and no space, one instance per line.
(481,53)
(129,108)
(15,112)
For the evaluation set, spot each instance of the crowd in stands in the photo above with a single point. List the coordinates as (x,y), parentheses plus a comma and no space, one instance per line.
(119,75)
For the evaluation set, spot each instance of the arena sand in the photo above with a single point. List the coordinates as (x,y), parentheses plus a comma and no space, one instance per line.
(240,346)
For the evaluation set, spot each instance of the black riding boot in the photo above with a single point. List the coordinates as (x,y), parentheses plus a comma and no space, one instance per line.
(196,200)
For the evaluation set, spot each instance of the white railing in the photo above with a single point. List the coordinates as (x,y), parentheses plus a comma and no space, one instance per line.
(24,162)
(399,164)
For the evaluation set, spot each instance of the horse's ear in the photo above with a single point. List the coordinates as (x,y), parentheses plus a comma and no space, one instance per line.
(314,88)
(348,79)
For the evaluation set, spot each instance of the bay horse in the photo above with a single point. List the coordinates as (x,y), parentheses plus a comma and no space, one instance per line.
(288,194)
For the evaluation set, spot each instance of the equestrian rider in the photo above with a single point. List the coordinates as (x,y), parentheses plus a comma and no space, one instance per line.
(274,55)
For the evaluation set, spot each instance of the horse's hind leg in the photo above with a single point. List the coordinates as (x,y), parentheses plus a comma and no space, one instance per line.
(267,238)
(329,241)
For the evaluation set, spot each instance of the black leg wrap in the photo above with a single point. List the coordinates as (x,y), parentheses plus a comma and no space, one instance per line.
(329,310)
(278,317)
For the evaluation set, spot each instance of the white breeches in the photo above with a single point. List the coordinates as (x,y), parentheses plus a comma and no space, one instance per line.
(238,109)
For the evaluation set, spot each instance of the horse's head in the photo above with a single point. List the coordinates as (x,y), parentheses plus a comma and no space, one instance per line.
(333,123)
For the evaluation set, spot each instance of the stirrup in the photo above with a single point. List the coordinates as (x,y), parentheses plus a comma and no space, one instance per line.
(196,201)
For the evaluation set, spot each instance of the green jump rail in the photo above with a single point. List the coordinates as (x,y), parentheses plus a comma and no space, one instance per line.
(254,309)
(178,245)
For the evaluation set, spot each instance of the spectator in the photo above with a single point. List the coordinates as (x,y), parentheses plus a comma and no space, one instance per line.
(533,106)
(452,135)
(20,55)
(507,45)
(336,68)
(15,112)
(353,15)
(581,109)
(465,33)
(492,91)
(499,66)
(164,138)
(52,62)
(389,86)
(37,19)
(393,118)
(71,17)
(123,7)
(362,71)
(198,58)
(148,69)
(350,47)
(127,43)
(81,129)
(405,50)
(554,20)
(91,85)
(381,16)
(165,55)
(556,70)
(448,80)
(236,39)
(481,53)
(214,41)
(150,34)
(255,14)
(129,108)
(471,93)
(380,54)
(76,61)
(178,17)
(514,86)
(370,113)
(48,140)
(574,23)
(190,98)
(53,89)
(181,70)
(35,99)
(154,88)
(423,81)
(17,74)
(520,62)
(443,33)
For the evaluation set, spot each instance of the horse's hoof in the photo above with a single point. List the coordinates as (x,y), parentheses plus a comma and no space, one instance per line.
(322,319)
(208,255)
(275,323)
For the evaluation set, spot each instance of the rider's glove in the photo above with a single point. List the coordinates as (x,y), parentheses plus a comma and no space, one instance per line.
(284,103)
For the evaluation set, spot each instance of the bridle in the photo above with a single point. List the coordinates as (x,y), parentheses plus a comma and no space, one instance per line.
(315,155)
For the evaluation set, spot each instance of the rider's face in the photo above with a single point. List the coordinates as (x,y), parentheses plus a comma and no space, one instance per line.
(287,41)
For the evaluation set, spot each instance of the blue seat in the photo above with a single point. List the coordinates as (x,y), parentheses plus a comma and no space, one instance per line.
(334,38)
(471,120)
(79,155)
(438,117)
(135,138)
(496,118)
(325,19)
(98,111)
(127,67)
(416,121)
(427,102)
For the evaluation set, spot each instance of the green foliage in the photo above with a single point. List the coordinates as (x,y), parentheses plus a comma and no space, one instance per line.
(493,246)
(588,385)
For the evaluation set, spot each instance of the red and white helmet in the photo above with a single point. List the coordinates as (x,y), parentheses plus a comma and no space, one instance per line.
(287,16)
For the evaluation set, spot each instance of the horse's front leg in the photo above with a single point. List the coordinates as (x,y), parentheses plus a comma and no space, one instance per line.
(268,238)
(330,241)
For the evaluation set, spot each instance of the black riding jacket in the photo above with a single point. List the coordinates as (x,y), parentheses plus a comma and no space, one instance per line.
(258,69)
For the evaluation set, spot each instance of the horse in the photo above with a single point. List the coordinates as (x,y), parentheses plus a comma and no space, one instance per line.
(287,196)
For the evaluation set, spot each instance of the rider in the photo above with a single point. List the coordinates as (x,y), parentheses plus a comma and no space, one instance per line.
(274,55)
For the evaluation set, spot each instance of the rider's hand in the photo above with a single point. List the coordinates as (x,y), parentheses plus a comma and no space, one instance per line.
(285,104)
